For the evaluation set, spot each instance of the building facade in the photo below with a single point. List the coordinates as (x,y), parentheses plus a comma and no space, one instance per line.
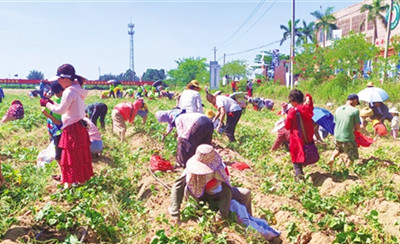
(352,19)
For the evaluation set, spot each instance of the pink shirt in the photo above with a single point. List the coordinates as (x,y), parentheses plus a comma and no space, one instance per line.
(94,133)
(185,122)
(72,105)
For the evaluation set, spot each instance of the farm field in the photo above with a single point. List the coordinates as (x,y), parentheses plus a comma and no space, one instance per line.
(125,203)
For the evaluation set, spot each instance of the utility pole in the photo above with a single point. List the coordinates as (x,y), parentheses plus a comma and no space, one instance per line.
(387,40)
(292,46)
(224,59)
(215,53)
(131,32)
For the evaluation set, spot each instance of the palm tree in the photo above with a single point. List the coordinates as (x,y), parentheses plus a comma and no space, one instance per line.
(325,21)
(374,12)
(307,32)
(288,31)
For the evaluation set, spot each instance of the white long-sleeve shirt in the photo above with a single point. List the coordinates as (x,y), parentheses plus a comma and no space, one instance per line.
(395,122)
(191,101)
(72,105)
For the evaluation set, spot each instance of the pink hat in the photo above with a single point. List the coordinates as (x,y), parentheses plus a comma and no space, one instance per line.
(205,161)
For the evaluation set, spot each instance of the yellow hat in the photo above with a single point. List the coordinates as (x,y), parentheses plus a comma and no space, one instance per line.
(375,121)
(366,112)
(194,83)
(210,114)
(370,84)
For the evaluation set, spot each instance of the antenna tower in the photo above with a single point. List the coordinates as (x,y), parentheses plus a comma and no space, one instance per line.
(131,32)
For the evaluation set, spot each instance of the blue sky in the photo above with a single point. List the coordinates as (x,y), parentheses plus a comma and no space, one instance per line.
(92,35)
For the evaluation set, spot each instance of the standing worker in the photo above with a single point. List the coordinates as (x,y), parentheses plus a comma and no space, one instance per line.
(190,99)
(76,160)
(111,89)
(301,114)
(347,121)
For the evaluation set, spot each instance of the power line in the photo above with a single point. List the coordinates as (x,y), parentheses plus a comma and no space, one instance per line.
(266,11)
(249,50)
(245,22)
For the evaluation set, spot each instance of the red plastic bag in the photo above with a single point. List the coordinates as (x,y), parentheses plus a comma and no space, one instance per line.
(240,166)
(362,140)
(158,163)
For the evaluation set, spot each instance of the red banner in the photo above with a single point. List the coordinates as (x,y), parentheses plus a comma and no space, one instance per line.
(89,82)
(18,81)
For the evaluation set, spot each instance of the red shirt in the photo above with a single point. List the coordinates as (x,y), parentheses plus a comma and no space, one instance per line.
(380,129)
(128,110)
(296,143)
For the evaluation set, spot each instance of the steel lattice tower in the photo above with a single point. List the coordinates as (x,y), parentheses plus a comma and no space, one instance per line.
(131,55)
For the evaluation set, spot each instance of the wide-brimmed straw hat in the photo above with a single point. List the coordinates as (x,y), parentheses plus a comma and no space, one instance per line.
(210,114)
(194,83)
(278,125)
(393,111)
(366,112)
(205,161)
(375,121)
(217,93)
(370,84)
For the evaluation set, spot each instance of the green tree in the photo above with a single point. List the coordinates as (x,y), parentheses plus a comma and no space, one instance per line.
(325,22)
(346,54)
(310,63)
(127,76)
(189,69)
(307,32)
(35,75)
(153,75)
(235,69)
(349,52)
(107,77)
(374,12)
(287,32)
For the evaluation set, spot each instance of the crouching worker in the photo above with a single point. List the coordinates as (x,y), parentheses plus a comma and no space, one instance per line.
(96,142)
(95,111)
(193,129)
(14,112)
(125,111)
(206,178)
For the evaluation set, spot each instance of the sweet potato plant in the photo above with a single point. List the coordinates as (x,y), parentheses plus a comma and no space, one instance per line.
(125,203)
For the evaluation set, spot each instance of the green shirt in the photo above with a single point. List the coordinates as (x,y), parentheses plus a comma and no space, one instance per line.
(56,116)
(346,117)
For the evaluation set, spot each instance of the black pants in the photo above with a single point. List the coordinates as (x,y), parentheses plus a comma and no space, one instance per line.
(99,112)
(58,150)
(201,133)
(111,94)
(231,122)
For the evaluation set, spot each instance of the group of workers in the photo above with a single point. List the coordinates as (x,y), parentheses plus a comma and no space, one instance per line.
(72,127)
